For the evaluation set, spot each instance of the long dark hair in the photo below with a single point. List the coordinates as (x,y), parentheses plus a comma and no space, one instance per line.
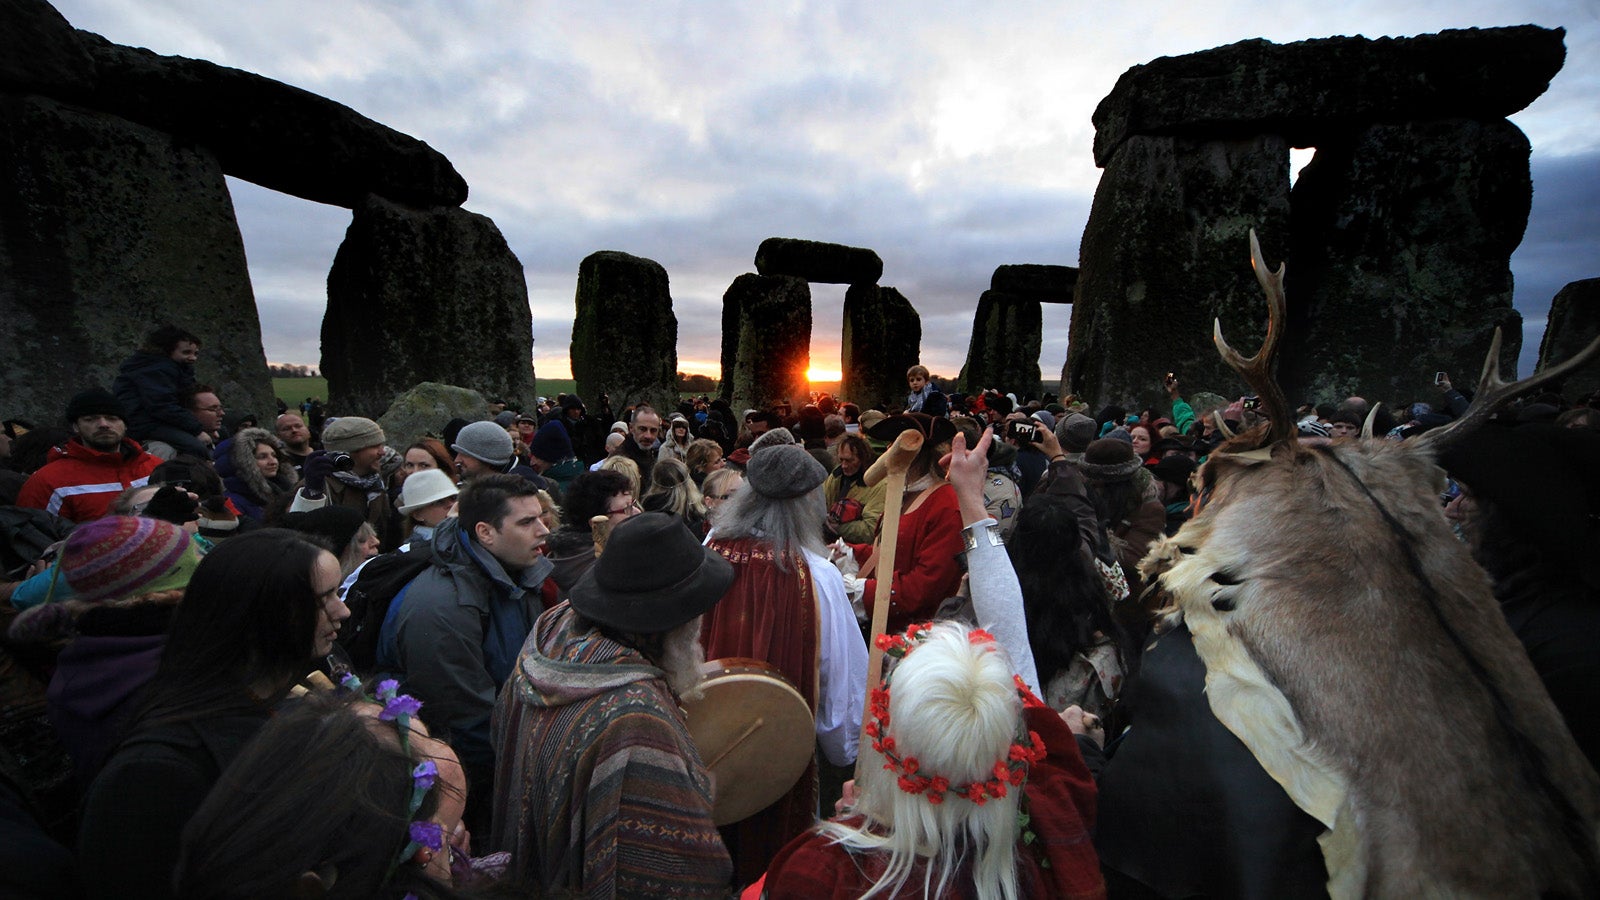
(1062,596)
(317,788)
(248,617)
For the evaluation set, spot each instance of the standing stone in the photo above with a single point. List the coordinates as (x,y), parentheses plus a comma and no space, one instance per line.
(882,339)
(773,349)
(108,229)
(424,295)
(818,261)
(1046,284)
(1166,250)
(625,336)
(1007,332)
(1573,323)
(1401,259)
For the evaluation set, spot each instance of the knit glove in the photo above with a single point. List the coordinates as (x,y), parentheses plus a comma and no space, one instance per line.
(318,466)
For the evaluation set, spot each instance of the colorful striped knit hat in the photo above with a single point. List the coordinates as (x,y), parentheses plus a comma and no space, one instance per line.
(119,556)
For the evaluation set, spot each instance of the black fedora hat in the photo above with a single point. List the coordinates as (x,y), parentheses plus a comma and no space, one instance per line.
(653,577)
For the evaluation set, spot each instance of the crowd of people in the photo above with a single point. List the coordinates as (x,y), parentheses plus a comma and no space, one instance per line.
(249,658)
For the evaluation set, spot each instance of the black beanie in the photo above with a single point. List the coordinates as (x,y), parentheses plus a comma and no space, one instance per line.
(94,402)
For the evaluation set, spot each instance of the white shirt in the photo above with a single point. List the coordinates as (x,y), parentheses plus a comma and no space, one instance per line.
(842,668)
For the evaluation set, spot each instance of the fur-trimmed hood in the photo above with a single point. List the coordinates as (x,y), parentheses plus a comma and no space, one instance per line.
(235,461)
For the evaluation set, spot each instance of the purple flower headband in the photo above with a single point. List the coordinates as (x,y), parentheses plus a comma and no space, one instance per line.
(399,708)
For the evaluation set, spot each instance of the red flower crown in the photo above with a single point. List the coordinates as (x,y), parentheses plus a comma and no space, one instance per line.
(1010,771)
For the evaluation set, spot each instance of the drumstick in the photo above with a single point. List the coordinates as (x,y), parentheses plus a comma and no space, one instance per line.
(891,466)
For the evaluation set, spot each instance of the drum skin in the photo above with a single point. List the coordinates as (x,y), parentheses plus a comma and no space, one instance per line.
(754,732)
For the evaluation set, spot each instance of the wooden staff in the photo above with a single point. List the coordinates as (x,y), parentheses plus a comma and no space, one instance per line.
(890,467)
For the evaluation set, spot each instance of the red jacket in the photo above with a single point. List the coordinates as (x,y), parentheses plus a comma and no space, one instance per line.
(926,572)
(79,483)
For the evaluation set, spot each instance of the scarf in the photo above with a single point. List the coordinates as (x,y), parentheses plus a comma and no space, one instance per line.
(372,484)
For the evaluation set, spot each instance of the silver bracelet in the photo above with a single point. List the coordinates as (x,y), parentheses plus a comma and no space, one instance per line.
(969,535)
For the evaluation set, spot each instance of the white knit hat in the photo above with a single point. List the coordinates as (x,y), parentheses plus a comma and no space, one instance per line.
(424,487)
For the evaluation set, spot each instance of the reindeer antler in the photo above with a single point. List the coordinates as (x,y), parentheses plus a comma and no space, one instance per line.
(1257,370)
(1494,393)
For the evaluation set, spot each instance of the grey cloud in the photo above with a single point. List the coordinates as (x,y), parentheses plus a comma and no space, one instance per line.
(1560,245)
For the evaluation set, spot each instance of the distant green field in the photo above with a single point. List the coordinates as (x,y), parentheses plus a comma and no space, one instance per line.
(294,391)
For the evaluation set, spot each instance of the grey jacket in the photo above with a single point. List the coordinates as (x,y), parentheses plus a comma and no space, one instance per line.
(453,634)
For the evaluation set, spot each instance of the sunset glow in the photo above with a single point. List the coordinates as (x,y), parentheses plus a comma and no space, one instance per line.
(815,374)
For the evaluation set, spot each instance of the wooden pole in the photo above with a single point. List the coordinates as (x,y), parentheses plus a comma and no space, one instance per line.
(889,468)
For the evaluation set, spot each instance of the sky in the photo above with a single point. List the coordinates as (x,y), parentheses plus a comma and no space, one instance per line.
(949,137)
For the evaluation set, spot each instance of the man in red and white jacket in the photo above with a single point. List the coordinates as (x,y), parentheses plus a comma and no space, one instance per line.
(84,475)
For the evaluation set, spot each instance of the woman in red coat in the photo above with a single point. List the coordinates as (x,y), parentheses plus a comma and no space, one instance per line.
(926,571)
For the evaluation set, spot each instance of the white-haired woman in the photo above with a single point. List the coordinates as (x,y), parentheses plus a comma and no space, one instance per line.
(972,787)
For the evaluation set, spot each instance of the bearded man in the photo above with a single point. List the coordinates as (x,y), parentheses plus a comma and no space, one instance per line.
(600,791)
(787,606)
(82,476)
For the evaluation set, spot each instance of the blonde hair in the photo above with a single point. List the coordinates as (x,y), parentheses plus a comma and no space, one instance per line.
(954,706)
(670,480)
(549,504)
(347,554)
(626,466)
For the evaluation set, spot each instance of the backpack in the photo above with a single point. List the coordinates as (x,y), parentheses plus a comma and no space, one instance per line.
(24,535)
(368,600)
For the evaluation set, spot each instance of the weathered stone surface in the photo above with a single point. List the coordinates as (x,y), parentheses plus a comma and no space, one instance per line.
(40,53)
(1046,284)
(882,339)
(1007,332)
(625,336)
(424,410)
(1165,251)
(424,295)
(1573,323)
(107,229)
(1400,263)
(818,261)
(773,348)
(268,132)
(1311,91)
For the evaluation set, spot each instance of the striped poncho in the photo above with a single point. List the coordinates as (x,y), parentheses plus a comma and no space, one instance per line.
(599,788)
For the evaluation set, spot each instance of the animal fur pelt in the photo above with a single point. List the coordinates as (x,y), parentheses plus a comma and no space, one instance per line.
(1354,646)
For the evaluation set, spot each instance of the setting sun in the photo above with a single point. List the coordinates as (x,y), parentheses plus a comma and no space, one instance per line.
(815,374)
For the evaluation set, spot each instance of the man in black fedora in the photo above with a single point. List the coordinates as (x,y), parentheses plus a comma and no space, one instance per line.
(599,788)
